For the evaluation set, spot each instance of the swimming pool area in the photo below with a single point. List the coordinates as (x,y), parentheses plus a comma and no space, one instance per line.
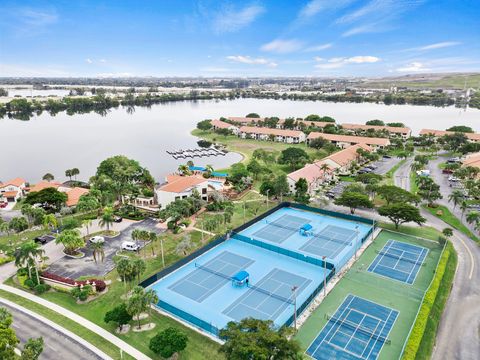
(285,266)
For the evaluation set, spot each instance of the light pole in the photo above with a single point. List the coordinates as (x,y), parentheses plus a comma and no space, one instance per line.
(356,241)
(268,190)
(294,291)
(244,205)
(324,276)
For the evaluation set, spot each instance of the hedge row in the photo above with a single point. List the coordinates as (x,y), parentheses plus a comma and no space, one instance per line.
(418,330)
(99,284)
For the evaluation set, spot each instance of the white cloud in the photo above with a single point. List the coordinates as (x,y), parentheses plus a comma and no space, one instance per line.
(36,17)
(337,62)
(413,67)
(231,19)
(363,29)
(251,61)
(8,70)
(88,61)
(439,45)
(282,46)
(318,47)
(103,61)
(114,75)
(314,7)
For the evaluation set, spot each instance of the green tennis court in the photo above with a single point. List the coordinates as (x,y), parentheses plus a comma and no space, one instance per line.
(404,298)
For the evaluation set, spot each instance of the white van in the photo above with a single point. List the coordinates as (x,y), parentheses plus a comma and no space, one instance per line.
(130,246)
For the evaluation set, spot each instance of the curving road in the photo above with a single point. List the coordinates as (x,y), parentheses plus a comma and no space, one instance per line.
(458,336)
(56,344)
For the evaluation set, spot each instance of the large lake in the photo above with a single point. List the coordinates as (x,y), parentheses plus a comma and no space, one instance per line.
(54,143)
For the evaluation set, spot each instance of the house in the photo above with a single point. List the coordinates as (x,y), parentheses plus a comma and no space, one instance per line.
(181,187)
(472,137)
(279,135)
(73,193)
(472,160)
(302,124)
(342,160)
(244,120)
(324,170)
(393,131)
(344,141)
(315,174)
(218,124)
(13,190)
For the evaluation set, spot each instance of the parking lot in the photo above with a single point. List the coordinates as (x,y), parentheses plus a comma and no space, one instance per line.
(86,266)
(382,166)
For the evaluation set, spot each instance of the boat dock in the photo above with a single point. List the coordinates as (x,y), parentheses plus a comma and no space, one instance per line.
(198,152)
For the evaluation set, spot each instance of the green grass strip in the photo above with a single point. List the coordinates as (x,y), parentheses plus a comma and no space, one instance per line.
(389,174)
(94,339)
(422,337)
(443,213)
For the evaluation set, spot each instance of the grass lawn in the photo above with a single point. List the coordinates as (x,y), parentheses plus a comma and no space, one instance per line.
(413,182)
(11,241)
(68,324)
(442,212)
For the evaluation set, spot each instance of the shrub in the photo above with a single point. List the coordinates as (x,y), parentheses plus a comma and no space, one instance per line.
(168,342)
(171,225)
(29,283)
(22,272)
(41,288)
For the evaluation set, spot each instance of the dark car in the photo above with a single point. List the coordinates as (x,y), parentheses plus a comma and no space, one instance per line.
(3,205)
(447,171)
(43,239)
(387,157)
(117,218)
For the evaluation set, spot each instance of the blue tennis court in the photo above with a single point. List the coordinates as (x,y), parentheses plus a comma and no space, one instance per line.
(358,330)
(399,261)
(269,298)
(281,229)
(330,241)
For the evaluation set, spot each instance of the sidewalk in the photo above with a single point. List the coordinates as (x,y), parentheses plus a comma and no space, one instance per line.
(57,327)
(80,320)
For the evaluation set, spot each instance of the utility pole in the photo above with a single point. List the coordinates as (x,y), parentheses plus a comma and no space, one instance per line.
(268,190)
(244,206)
(294,291)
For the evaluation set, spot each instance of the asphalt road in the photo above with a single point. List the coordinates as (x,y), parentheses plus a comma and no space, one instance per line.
(458,336)
(56,345)
(459,332)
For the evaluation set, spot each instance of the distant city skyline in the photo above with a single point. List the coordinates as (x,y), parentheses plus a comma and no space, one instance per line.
(320,38)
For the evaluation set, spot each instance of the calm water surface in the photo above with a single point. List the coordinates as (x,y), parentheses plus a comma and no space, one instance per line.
(54,143)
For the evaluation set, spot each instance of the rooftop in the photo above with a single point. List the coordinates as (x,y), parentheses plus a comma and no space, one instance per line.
(15,182)
(244,120)
(391,129)
(268,131)
(309,172)
(350,139)
(439,133)
(221,124)
(178,184)
(345,156)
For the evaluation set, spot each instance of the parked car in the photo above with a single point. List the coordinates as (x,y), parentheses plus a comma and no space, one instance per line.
(453,160)
(453,179)
(96,239)
(117,218)
(387,157)
(447,171)
(130,246)
(3,205)
(43,239)
(364,171)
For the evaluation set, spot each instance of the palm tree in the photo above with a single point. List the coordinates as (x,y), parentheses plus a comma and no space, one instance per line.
(107,218)
(161,249)
(137,303)
(75,172)
(27,255)
(473,217)
(50,221)
(209,169)
(71,240)
(184,169)
(153,237)
(455,197)
(98,251)
(124,269)
(68,173)
(151,297)
(463,207)
(87,223)
(190,163)
(139,267)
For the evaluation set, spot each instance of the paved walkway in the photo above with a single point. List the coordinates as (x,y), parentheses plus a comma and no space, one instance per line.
(59,342)
(80,320)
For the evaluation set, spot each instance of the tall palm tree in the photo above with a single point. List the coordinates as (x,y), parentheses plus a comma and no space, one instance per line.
(209,168)
(463,207)
(473,217)
(153,237)
(87,223)
(139,266)
(28,255)
(151,297)
(107,218)
(98,251)
(184,169)
(124,270)
(455,197)
(71,240)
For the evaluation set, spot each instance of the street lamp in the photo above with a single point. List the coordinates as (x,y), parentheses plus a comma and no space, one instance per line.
(268,190)
(356,241)
(294,291)
(324,276)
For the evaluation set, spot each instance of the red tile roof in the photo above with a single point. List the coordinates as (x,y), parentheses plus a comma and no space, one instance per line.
(345,156)
(8,194)
(74,195)
(320,124)
(310,172)
(391,129)
(244,120)
(178,184)
(440,133)
(350,139)
(44,185)
(221,124)
(15,182)
(269,131)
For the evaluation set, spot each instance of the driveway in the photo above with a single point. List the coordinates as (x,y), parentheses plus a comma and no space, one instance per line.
(8,215)
(384,165)
(75,268)
(56,344)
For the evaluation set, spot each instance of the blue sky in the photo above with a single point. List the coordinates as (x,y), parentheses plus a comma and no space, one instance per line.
(238,38)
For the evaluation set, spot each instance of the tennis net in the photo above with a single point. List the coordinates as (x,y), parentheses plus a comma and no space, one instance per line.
(358,328)
(388,254)
(327,238)
(269,293)
(202,267)
(273,223)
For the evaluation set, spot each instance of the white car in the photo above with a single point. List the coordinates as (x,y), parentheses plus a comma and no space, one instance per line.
(130,246)
(97,240)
